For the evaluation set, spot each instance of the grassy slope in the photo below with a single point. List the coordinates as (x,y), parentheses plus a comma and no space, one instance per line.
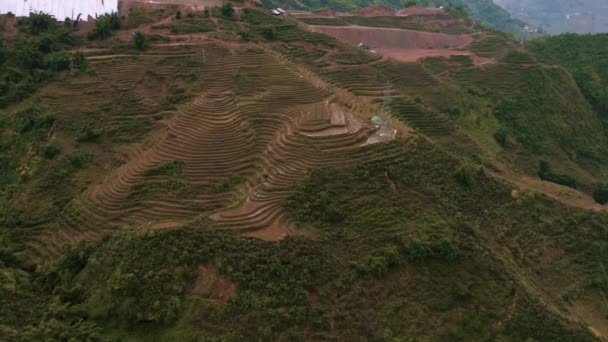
(422,246)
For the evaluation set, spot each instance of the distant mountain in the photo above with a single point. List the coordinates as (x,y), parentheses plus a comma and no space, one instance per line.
(485,10)
(558,16)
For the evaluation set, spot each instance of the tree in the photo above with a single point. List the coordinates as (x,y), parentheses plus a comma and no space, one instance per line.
(3,53)
(501,137)
(39,22)
(601,193)
(140,40)
(269,32)
(104,26)
(27,53)
(227,11)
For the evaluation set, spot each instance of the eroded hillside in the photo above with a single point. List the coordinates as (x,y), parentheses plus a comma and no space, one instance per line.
(228,174)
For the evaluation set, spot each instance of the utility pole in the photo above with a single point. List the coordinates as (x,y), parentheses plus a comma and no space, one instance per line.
(387,98)
(204,58)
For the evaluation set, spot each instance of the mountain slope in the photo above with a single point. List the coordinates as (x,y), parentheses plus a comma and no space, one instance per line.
(485,10)
(586,16)
(242,176)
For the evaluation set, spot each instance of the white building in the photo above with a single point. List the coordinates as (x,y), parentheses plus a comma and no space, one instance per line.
(60,9)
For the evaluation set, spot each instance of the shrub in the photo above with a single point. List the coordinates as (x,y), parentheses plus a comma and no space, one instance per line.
(244,35)
(51,151)
(379,263)
(419,251)
(464,178)
(545,173)
(601,193)
(39,22)
(178,15)
(27,53)
(269,32)
(227,11)
(78,161)
(140,40)
(501,137)
(104,26)
(3,53)
(58,61)
(88,136)
(79,61)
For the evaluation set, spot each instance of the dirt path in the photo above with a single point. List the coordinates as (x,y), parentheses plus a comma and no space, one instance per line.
(568,196)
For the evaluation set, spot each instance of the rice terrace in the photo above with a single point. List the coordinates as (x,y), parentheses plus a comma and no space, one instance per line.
(184,170)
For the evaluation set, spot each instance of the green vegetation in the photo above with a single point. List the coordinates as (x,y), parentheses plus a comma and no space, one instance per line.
(545,173)
(196,24)
(104,26)
(584,57)
(136,17)
(35,56)
(267,27)
(227,11)
(140,40)
(415,252)
(412,239)
(601,193)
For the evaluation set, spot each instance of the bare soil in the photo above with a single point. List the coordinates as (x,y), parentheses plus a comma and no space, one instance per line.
(419,10)
(412,55)
(390,38)
(375,11)
(212,285)
(8,27)
(275,232)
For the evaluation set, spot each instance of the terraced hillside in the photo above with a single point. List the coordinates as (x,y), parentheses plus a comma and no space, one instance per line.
(241,145)
(226,174)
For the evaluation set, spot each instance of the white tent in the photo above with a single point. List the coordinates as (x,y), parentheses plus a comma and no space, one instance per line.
(60,9)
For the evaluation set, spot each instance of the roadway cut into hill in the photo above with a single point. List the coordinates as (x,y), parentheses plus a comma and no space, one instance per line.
(400,44)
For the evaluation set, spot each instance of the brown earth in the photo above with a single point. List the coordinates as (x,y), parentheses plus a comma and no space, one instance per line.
(418,10)
(375,11)
(211,285)
(390,38)
(412,55)
(9,27)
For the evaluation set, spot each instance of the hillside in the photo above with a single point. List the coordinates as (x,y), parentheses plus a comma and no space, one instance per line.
(484,10)
(559,16)
(189,174)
